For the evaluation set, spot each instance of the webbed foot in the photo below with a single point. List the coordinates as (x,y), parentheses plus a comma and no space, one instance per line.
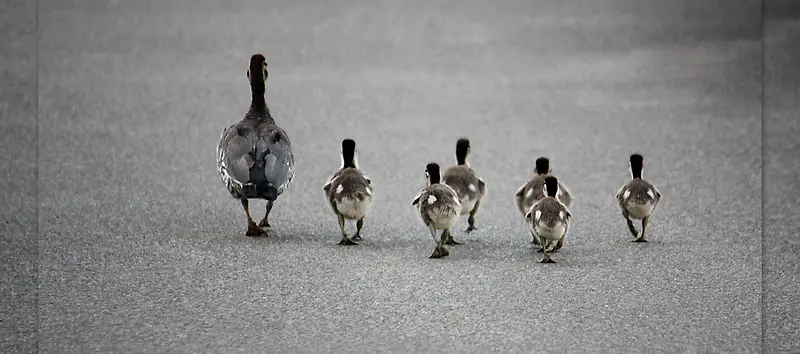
(253,230)
(346,241)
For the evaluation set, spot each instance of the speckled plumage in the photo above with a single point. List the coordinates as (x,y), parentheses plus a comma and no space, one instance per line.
(255,160)
(438,206)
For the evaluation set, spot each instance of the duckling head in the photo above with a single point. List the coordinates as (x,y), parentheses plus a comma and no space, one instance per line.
(462,151)
(636,165)
(349,153)
(550,186)
(432,173)
(542,166)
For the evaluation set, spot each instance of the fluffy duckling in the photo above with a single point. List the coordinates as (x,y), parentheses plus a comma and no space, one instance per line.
(349,192)
(254,156)
(468,186)
(549,218)
(533,191)
(638,198)
(438,207)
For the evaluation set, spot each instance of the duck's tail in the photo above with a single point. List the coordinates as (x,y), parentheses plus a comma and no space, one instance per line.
(273,169)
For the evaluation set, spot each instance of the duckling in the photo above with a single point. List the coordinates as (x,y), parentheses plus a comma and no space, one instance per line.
(468,186)
(254,156)
(549,218)
(533,191)
(637,198)
(438,207)
(349,192)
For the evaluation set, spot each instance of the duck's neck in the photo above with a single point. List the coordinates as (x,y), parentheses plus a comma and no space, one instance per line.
(636,173)
(461,157)
(349,160)
(258,104)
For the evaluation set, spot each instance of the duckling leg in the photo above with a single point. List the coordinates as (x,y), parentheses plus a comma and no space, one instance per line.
(535,239)
(359,225)
(264,222)
(439,251)
(546,258)
(644,227)
(558,245)
(630,223)
(346,241)
(449,240)
(252,228)
(471,219)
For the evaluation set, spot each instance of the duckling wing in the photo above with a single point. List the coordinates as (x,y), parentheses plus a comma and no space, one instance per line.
(564,195)
(327,186)
(416,199)
(621,190)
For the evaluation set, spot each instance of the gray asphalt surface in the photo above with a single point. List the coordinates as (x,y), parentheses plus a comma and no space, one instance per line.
(142,250)
(18,224)
(781,171)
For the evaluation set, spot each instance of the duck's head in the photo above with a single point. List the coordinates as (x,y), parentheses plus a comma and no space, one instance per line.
(542,166)
(432,173)
(550,186)
(636,165)
(258,69)
(349,153)
(462,151)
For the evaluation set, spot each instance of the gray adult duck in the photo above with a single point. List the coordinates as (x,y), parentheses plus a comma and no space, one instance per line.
(254,156)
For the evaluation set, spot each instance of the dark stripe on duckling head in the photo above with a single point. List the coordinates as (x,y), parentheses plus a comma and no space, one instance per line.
(542,166)
(551,186)
(348,153)
(462,149)
(432,171)
(637,162)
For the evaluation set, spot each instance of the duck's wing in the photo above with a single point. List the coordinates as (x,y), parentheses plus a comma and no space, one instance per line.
(234,155)
(274,149)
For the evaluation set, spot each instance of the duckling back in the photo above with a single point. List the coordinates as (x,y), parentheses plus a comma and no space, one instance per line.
(468,186)
(350,193)
(438,206)
(549,218)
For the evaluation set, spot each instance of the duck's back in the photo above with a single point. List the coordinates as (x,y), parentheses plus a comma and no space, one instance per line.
(255,159)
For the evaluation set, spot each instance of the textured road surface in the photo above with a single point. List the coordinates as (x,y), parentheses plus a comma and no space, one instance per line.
(141,249)
(781,171)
